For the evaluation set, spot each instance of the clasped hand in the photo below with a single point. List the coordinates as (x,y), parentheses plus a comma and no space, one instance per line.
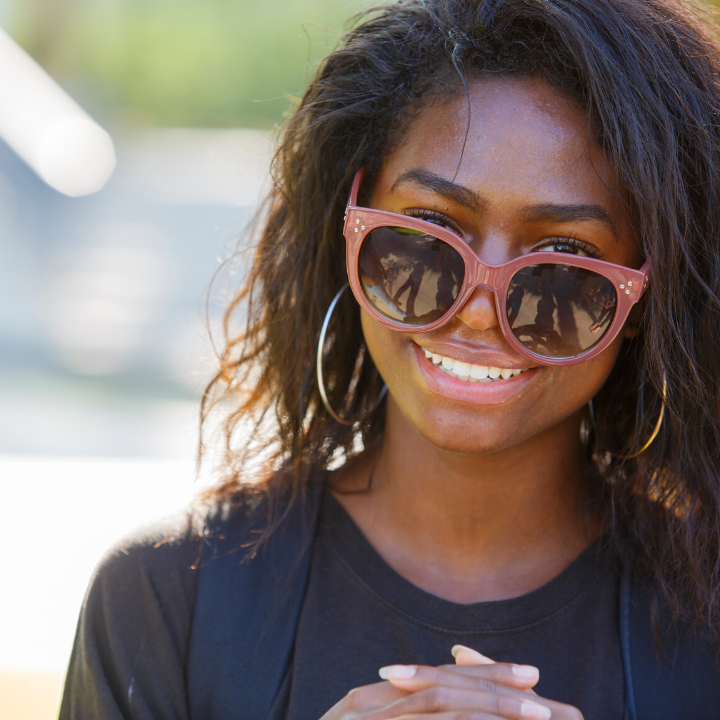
(475,688)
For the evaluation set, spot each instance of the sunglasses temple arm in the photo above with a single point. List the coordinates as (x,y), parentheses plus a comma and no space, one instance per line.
(646,270)
(359,175)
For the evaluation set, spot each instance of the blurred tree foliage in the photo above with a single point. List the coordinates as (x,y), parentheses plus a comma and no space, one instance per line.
(201,63)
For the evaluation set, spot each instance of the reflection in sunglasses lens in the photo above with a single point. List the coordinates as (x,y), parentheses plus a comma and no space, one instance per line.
(559,311)
(408,276)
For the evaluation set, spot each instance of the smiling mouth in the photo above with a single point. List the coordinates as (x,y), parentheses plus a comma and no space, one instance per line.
(471,373)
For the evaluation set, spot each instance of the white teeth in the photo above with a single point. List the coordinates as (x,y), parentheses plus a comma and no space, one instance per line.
(480,372)
(437,359)
(468,372)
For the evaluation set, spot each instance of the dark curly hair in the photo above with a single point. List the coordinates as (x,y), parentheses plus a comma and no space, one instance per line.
(646,73)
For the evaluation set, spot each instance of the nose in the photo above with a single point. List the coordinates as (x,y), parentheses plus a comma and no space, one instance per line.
(479,312)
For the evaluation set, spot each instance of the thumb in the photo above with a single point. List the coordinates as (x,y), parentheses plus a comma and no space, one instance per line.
(467,656)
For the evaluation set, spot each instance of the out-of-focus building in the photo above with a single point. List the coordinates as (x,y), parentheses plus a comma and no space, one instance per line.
(109,293)
(105,299)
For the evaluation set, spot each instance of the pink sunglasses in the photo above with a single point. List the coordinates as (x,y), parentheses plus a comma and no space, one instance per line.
(412,275)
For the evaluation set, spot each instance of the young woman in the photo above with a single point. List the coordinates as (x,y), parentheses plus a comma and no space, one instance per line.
(503,439)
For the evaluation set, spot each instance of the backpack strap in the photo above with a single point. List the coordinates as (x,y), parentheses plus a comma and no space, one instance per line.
(682,682)
(624,618)
(246,613)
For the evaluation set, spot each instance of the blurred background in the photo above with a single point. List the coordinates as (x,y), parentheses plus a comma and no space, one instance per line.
(105,264)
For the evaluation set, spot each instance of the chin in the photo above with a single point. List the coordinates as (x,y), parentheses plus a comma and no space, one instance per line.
(466,446)
(463,436)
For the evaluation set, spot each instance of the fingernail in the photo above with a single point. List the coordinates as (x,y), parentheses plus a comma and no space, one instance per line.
(533,711)
(398,672)
(457,648)
(526,672)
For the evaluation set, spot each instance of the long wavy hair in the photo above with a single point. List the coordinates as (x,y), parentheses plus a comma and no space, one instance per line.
(647,74)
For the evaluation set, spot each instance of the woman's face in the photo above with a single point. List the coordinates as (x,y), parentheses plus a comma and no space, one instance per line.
(531,178)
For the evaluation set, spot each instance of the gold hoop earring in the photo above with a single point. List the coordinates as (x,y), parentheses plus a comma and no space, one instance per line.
(319,369)
(653,435)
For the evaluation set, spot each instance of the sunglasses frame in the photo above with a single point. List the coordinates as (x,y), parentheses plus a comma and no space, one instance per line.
(629,284)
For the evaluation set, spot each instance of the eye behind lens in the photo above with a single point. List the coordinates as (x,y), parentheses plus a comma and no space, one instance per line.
(559,311)
(409,276)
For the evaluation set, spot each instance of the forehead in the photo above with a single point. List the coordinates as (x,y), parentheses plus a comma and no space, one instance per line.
(523,138)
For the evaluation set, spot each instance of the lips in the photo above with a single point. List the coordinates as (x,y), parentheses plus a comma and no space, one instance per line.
(468,372)
(459,380)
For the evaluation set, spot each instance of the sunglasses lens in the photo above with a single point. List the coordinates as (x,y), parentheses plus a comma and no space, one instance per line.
(409,276)
(559,311)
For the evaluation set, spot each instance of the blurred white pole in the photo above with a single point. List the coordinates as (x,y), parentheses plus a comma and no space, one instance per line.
(48,129)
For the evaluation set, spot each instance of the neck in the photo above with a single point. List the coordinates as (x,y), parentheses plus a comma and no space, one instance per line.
(472,527)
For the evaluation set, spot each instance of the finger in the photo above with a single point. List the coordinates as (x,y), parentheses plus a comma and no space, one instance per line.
(437,700)
(525,676)
(475,671)
(467,656)
(368,697)
(498,677)
(462,715)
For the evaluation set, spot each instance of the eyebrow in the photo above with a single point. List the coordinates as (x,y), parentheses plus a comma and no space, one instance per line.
(456,193)
(541,212)
(550,212)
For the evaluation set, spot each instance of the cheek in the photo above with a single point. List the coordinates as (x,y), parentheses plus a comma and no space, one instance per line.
(577,384)
(389,349)
(394,357)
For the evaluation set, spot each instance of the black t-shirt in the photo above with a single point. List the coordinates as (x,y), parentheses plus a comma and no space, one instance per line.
(130,654)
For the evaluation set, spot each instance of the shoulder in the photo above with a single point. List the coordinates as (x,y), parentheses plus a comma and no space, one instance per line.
(171,550)
(153,557)
(159,565)
(145,584)
(134,635)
